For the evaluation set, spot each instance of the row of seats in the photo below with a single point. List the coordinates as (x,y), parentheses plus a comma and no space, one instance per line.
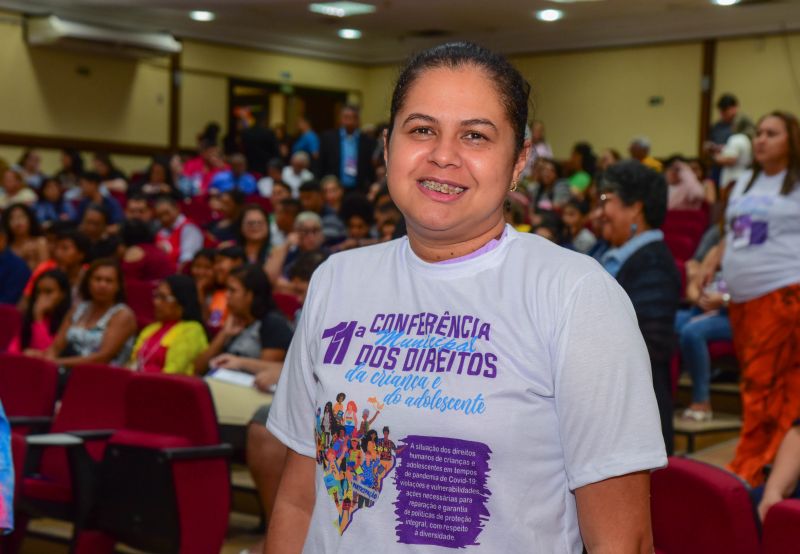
(701,509)
(128,457)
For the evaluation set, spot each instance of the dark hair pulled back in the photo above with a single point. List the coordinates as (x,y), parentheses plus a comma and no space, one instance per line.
(512,88)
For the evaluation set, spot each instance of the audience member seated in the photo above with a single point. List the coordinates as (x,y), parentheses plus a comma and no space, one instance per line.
(267,183)
(685,192)
(709,186)
(158,180)
(25,235)
(91,193)
(784,478)
(306,237)
(359,219)
(197,172)
(110,177)
(255,331)
(70,252)
(706,320)
(172,343)
(15,191)
(547,191)
(575,216)
(14,272)
(581,168)
(225,261)
(332,192)
(70,172)
(101,328)
(138,208)
(347,152)
(141,259)
(550,227)
(634,203)
(312,201)
(252,234)
(51,300)
(95,227)
(29,166)
(297,172)
(282,220)
(201,270)
(639,150)
(178,237)
(515,211)
(607,158)
(52,206)
(235,178)
(229,204)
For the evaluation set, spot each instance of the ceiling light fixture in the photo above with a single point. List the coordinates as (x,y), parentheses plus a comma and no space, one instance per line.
(341,9)
(725,2)
(200,15)
(549,15)
(349,34)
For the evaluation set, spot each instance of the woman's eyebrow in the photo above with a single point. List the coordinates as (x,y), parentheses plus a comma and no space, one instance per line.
(420,116)
(465,123)
(478,122)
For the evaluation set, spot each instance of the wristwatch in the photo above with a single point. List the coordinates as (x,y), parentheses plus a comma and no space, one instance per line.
(726,299)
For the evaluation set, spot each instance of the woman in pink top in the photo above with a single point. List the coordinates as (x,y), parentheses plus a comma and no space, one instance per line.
(49,304)
(685,190)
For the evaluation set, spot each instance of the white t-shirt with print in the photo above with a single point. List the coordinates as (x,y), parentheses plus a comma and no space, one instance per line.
(504,382)
(762,245)
(739,147)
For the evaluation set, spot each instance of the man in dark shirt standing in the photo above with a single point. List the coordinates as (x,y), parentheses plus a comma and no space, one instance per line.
(259,145)
(347,153)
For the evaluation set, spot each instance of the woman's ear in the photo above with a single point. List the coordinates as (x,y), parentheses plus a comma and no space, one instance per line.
(385,138)
(522,160)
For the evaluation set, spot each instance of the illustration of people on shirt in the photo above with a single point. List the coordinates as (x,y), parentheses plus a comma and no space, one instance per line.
(338,408)
(354,460)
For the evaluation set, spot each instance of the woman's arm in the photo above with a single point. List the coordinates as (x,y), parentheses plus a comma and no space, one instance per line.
(273,267)
(60,341)
(614,515)
(121,327)
(291,516)
(785,472)
(214,348)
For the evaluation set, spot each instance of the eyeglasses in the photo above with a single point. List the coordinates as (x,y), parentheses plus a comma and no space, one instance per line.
(255,223)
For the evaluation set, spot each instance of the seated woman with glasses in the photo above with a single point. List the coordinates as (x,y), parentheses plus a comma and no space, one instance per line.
(633,200)
(252,233)
(171,344)
(307,236)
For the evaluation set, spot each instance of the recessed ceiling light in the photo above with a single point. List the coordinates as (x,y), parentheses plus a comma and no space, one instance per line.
(349,34)
(725,2)
(549,15)
(341,9)
(199,15)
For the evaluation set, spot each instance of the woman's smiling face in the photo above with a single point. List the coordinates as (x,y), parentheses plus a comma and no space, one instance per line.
(451,157)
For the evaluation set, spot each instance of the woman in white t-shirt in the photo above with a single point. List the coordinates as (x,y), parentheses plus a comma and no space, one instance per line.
(737,154)
(761,266)
(505,419)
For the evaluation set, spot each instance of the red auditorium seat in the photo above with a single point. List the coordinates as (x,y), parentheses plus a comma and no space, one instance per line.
(781,532)
(10,324)
(288,304)
(139,296)
(28,389)
(700,509)
(93,401)
(164,480)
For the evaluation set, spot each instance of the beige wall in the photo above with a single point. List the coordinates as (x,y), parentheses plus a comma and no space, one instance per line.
(377,93)
(764,73)
(203,98)
(602,97)
(43,93)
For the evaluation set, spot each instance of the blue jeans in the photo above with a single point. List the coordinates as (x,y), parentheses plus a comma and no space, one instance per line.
(694,337)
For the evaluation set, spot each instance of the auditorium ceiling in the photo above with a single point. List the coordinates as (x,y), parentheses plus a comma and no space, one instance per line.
(398,27)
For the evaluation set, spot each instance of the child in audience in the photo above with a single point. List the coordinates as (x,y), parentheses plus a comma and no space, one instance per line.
(225,261)
(25,235)
(574,215)
(171,344)
(70,252)
(202,271)
(230,205)
(51,206)
(358,217)
(51,300)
